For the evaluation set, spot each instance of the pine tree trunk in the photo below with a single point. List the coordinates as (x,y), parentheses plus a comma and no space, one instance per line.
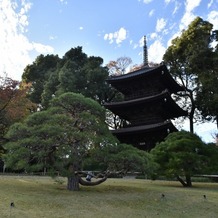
(188,181)
(191,120)
(73,183)
(181,180)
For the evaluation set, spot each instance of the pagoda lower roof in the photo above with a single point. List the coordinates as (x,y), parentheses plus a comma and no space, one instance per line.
(121,108)
(145,128)
(145,137)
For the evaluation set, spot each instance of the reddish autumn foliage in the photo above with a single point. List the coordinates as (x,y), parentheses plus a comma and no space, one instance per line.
(14,105)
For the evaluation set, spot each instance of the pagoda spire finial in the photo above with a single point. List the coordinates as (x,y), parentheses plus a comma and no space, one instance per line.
(145,53)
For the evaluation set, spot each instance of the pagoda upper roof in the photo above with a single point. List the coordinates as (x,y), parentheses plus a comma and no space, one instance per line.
(121,108)
(143,73)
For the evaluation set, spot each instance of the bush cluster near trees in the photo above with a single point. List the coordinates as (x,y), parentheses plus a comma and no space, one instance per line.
(183,155)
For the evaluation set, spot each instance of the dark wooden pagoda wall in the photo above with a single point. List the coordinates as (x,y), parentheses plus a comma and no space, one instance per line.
(150,114)
(142,88)
(144,115)
(152,111)
(144,141)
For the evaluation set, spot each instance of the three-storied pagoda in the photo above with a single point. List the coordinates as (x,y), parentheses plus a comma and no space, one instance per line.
(147,107)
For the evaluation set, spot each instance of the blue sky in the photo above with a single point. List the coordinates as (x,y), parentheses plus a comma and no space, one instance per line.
(106,28)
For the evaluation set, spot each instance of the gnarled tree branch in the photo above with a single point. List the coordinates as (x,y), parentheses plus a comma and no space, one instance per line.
(101,177)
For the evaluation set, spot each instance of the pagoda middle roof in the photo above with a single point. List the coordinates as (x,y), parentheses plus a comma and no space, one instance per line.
(121,107)
(143,73)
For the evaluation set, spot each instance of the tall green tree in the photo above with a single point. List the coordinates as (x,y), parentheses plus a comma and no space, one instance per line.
(182,155)
(57,139)
(87,78)
(63,137)
(38,73)
(76,72)
(207,98)
(190,56)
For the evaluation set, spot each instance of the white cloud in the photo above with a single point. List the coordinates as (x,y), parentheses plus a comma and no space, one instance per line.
(189,16)
(174,35)
(118,36)
(52,37)
(151,13)
(40,48)
(213,18)
(141,42)
(186,20)
(210,3)
(63,2)
(146,1)
(161,23)
(191,5)
(168,1)
(153,36)
(110,37)
(156,52)
(177,6)
(206,131)
(15,47)
(135,46)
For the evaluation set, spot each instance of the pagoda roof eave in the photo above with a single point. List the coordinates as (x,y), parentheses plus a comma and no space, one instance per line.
(136,101)
(131,74)
(145,128)
(144,72)
(115,107)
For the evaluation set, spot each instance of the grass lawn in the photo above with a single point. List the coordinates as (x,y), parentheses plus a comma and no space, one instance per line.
(41,197)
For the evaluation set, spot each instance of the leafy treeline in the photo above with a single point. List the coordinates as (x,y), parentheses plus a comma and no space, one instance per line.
(68,134)
(50,76)
(63,138)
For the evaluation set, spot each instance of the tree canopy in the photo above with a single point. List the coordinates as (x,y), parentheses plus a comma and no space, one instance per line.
(38,73)
(51,76)
(182,155)
(14,106)
(189,58)
(61,138)
(57,139)
(70,134)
